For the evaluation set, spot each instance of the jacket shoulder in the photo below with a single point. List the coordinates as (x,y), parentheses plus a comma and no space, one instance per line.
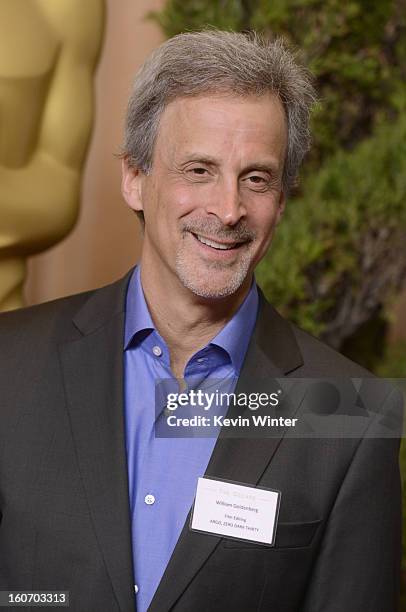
(41,320)
(61,319)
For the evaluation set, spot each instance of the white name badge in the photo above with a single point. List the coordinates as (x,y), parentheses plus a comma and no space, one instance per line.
(235,511)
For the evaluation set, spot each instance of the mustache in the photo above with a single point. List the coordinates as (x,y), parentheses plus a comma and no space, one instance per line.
(214,229)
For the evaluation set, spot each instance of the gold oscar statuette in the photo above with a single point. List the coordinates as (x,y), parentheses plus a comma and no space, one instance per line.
(48,53)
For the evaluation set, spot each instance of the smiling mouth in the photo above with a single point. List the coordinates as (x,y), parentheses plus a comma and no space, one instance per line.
(220,246)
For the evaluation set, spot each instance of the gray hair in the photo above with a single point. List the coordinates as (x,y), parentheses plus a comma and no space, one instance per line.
(214,61)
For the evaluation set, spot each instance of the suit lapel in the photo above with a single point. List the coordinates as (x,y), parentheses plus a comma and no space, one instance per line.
(272,353)
(93,375)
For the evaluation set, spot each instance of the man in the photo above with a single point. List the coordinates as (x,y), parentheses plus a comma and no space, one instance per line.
(92,501)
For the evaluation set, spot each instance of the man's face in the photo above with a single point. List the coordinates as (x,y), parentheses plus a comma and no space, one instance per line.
(213,197)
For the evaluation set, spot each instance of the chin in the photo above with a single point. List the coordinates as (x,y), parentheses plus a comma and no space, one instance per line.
(212,287)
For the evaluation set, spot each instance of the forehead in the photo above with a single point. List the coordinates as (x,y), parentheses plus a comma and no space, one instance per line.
(223,123)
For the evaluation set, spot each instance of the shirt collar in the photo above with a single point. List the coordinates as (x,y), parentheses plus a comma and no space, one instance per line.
(232,338)
(137,318)
(236,334)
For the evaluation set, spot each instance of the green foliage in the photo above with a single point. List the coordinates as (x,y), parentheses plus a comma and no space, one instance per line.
(320,253)
(355,50)
(179,16)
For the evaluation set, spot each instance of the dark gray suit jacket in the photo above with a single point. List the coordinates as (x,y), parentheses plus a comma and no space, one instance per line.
(64,494)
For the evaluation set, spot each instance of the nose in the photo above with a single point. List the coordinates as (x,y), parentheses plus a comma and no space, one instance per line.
(226,202)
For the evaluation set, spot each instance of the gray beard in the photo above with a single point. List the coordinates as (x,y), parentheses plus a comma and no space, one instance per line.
(192,280)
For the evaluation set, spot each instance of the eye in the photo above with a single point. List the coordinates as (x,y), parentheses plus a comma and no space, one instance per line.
(257,182)
(199,171)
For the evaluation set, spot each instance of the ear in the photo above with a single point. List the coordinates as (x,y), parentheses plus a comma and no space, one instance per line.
(281,206)
(131,179)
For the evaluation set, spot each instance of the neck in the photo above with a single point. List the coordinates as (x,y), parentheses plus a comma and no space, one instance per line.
(186,321)
(12,276)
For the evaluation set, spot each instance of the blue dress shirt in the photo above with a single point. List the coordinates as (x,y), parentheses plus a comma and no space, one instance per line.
(163,472)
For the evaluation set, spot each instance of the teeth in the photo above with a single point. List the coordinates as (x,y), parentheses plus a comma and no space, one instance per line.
(215,245)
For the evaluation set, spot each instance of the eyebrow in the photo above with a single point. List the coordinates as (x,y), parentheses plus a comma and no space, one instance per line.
(200,157)
(267,166)
(263,167)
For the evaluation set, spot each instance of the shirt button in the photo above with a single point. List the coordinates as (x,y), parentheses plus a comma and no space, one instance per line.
(149,500)
(136,589)
(157,351)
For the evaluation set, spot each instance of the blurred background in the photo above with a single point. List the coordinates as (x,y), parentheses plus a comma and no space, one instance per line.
(105,242)
(337,266)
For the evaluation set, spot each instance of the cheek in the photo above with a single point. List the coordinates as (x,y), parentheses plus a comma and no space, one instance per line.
(264,240)
(182,201)
(265,221)
(265,227)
